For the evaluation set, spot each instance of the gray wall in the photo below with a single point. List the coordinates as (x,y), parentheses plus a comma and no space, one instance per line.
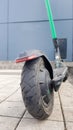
(24,25)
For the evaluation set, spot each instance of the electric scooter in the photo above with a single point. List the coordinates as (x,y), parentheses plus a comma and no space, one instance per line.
(39,79)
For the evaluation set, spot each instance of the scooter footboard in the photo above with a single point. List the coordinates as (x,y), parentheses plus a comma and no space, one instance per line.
(60,75)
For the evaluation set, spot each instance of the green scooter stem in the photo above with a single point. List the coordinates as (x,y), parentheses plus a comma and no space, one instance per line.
(53,31)
(50,17)
(52,25)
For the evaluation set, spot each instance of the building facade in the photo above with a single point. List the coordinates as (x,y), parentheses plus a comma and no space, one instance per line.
(24,25)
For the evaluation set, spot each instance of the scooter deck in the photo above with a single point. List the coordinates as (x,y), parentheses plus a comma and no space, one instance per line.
(58,72)
(60,75)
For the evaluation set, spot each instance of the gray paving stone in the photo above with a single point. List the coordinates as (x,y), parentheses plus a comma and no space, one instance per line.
(33,124)
(56,114)
(3,96)
(69,125)
(66,89)
(16,97)
(66,93)
(7,123)
(14,109)
(28,116)
(6,94)
(8,88)
(4,77)
(8,79)
(10,65)
(56,98)
(68,112)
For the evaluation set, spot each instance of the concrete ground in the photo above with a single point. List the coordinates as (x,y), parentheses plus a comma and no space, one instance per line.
(14,116)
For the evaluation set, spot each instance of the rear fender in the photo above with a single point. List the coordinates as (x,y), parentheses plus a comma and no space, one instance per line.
(33,54)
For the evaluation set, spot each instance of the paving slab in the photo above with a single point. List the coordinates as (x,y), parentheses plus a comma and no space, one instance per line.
(3,96)
(70,125)
(16,97)
(6,94)
(8,79)
(33,124)
(9,89)
(8,85)
(10,65)
(10,72)
(8,123)
(13,109)
(66,94)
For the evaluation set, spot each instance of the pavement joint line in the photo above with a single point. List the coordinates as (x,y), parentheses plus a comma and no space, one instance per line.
(9,73)
(46,119)
(20,119)
(10,116)
(13,101)
(10,95)
(64,120)
(69,121)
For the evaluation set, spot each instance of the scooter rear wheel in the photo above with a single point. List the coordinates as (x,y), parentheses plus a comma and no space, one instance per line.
(36,88)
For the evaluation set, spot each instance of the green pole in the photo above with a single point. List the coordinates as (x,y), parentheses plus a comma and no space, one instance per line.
(50,17)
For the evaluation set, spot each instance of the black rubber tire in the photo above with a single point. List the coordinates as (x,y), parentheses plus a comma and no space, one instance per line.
(36,88)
